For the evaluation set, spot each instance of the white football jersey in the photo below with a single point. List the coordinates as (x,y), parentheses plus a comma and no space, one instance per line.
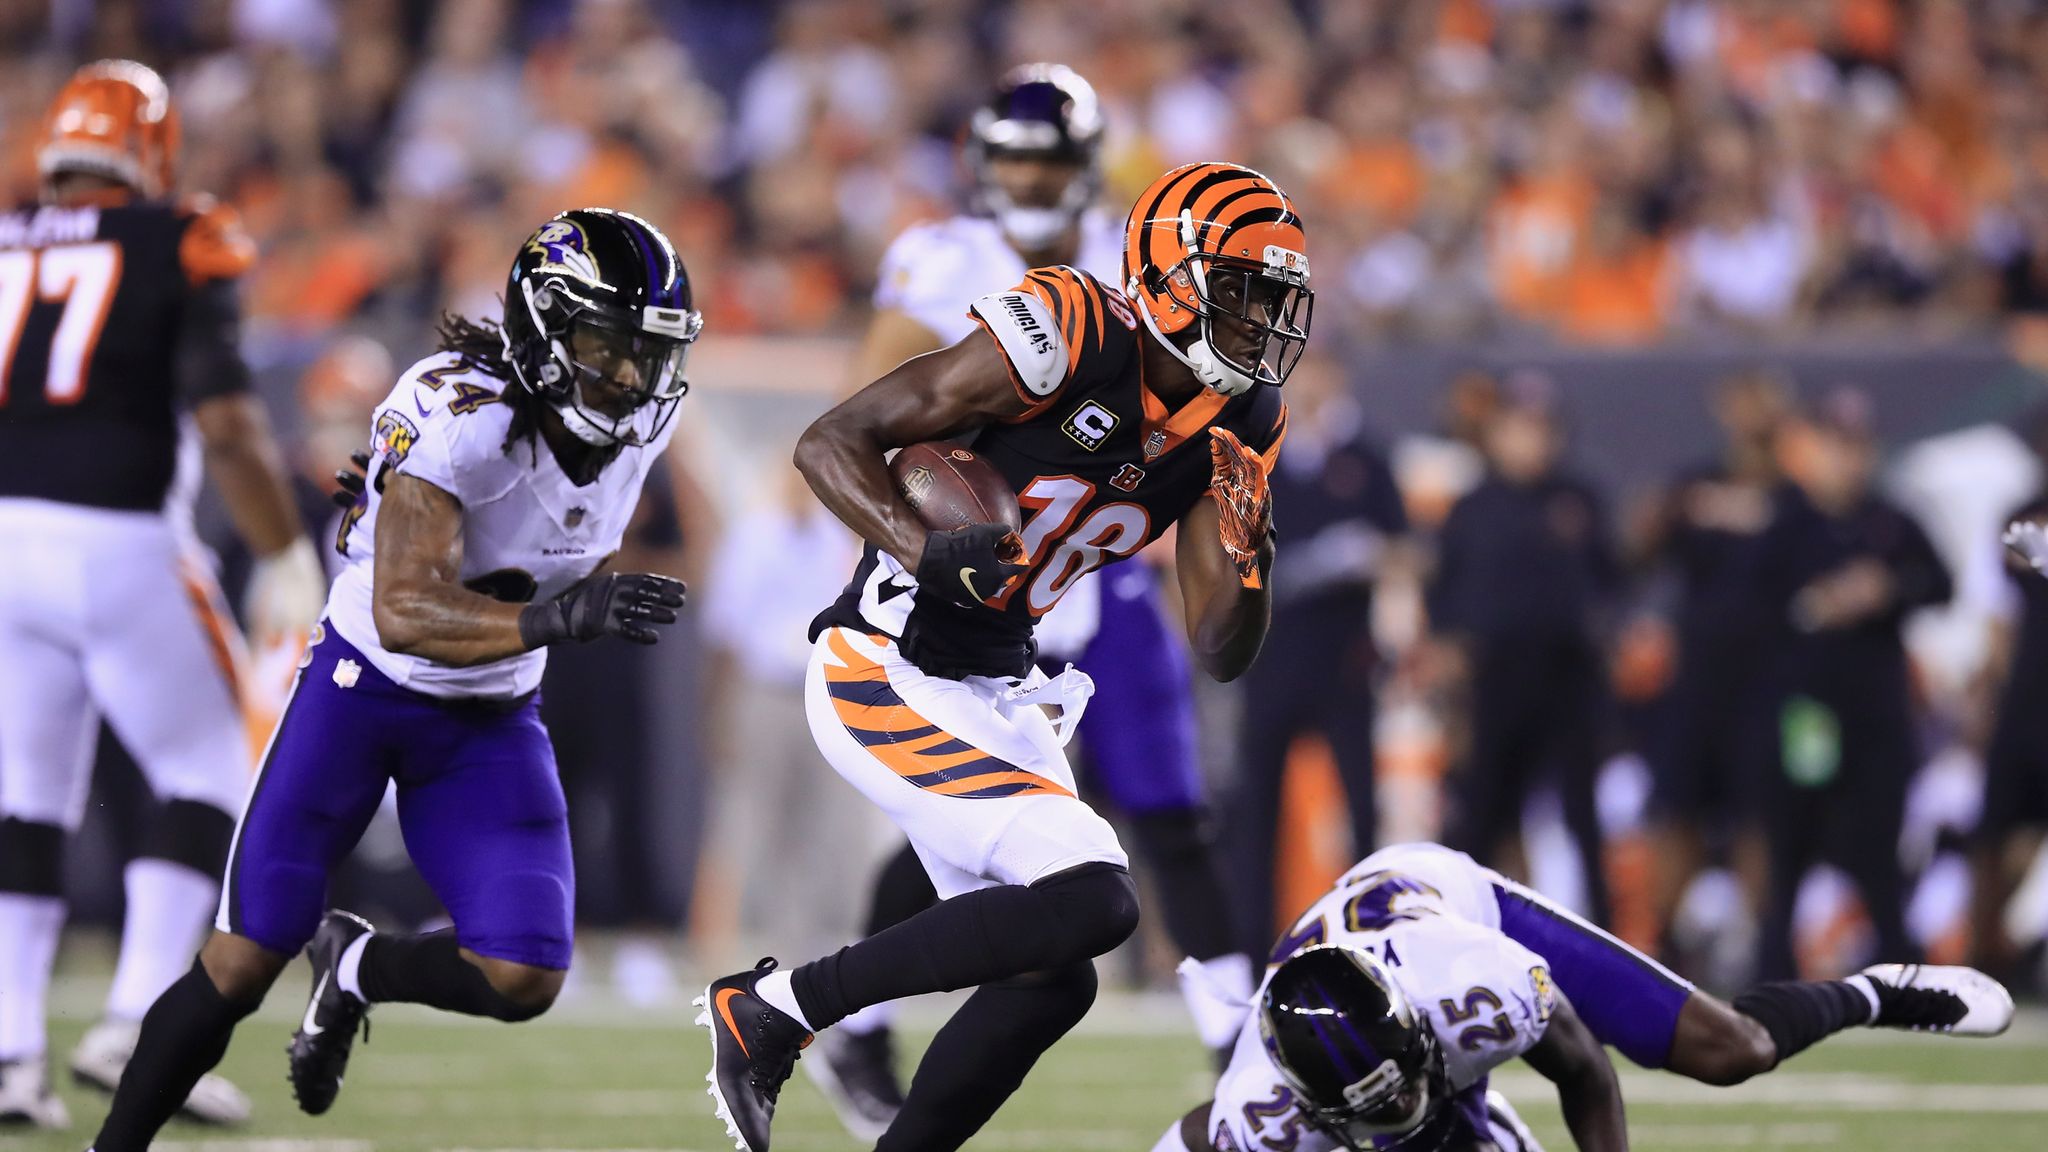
(528,531)
(1421,909)
(932,273)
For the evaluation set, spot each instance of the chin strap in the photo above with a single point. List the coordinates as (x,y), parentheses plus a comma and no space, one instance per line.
(1200,358)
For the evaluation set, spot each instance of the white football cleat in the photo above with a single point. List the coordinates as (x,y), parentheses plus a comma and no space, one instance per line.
(1939,998)
(26,1097)
(103,1055)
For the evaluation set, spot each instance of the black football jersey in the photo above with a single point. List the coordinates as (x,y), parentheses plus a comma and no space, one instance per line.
(113,319)
(1100,467)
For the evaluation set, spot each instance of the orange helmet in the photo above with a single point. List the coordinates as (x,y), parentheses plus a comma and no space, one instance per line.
(114,119)
(1209,242)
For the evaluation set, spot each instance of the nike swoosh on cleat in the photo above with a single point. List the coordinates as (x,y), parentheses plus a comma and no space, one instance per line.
(967,578)
(309,1025)
(725,996)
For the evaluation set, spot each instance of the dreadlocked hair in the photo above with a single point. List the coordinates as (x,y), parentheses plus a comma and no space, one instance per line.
(480,347)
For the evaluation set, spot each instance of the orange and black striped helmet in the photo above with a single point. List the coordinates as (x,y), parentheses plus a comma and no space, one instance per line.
(114,119)
(1220,242)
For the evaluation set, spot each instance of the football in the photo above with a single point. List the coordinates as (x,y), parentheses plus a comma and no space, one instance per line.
(950,487)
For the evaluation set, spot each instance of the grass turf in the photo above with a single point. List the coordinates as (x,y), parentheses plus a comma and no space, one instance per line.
(595,1075)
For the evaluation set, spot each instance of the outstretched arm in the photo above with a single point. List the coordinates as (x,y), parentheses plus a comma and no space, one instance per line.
(1570,1057)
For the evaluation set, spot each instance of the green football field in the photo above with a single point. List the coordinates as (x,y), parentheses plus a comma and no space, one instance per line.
(596,1074)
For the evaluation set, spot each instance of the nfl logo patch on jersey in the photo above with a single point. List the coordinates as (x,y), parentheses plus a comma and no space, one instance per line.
(1090,425)
(1155,443)
(574,517)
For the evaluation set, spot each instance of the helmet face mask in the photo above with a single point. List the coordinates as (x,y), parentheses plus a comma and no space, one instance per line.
(1044,113)
(1254,323)
(606,354)
(1362,1063)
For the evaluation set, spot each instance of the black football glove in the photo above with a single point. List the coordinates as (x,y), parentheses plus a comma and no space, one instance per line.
(352,480)
(622,604)
(969,565)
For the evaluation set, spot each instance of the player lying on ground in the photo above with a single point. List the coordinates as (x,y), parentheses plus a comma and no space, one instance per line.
(921,689)
(503,473)
(1395,994)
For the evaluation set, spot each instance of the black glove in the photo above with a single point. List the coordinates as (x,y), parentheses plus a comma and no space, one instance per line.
(969,565)
(623,604)
(352,480)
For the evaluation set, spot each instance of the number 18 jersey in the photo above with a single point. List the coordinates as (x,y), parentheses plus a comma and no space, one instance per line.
(1100,466)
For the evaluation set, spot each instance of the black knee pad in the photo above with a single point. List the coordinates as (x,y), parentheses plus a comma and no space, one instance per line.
(31,858)
(1095,908)
(190,833)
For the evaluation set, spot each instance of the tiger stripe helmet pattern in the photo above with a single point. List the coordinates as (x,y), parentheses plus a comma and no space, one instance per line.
(112,119)
(1213,241)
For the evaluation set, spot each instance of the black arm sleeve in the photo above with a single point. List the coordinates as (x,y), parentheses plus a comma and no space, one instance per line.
(209,357)
(1919,578)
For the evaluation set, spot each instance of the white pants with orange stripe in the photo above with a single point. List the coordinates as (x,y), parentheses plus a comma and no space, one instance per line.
(110,613)
(971,770)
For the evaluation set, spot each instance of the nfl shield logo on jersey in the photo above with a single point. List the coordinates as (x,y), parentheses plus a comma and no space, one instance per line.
(1155,443)
(574,517)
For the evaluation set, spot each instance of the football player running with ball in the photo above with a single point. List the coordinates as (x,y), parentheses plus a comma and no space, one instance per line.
(1394,996)
(1113,412)
(1035,153)
(504,470)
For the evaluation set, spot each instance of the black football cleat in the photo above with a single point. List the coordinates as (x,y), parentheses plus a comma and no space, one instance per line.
(320,1048)
(857,1073)
(1939,998)
(754,1048)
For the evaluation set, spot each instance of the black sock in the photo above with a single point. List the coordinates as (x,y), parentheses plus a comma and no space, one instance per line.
(982,936)
(184,1034)
(429,969)
(1179,849)
(983,1053)
(1800,1013)
(902,890)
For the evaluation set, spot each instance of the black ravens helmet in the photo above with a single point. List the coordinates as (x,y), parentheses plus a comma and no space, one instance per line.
(1362,1062)
(1044,112)
(598,322)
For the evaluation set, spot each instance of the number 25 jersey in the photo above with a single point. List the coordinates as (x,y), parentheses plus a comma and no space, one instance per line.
(113,319)
(1100,466)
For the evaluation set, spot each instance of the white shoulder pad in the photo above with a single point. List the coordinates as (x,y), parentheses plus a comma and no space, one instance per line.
(446,426)
(1024,327)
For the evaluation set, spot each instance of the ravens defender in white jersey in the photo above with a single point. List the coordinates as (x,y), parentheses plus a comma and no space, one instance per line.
(1115,412)
(504,471)
(1034,153)
(1391,999)
(119,371)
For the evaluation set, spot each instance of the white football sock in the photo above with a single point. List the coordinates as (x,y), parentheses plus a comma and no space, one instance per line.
(348,972)
(871,1019)
(776,989)
(29,926)
(1862,984)
(1218,992)
(169,909)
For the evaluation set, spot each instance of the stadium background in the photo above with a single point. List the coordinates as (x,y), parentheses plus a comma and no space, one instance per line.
(1630,199)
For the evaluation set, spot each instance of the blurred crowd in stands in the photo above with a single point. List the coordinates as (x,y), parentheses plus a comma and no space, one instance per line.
(1609,171)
